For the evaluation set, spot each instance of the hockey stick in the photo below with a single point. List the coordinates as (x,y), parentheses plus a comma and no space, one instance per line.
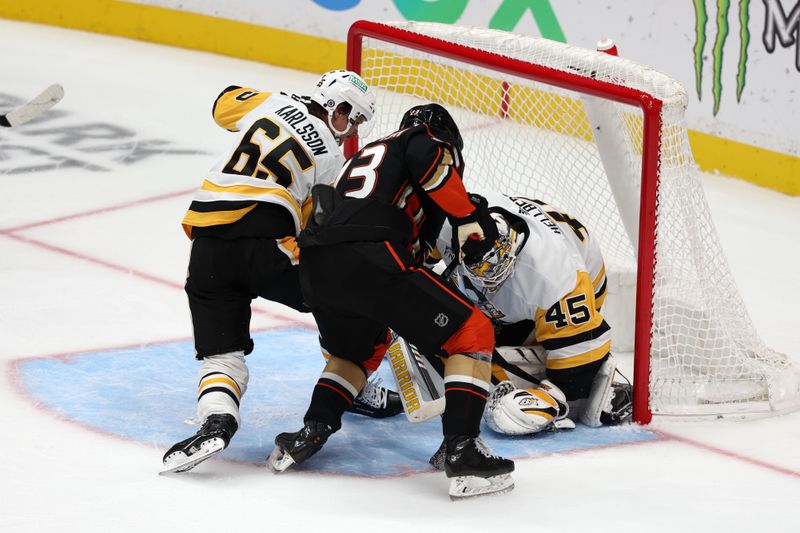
(450,268)
(27,112)
(500,361)
(422,399)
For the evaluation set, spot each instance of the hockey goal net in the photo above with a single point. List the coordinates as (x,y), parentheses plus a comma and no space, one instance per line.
(604,139)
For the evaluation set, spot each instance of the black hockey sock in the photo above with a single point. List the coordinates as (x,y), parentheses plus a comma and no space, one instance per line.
(329,402)
(463,411)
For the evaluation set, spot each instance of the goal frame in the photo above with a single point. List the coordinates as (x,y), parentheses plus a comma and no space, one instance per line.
(651,111)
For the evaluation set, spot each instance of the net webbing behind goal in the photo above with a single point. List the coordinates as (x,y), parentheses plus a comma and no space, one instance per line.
(604,139)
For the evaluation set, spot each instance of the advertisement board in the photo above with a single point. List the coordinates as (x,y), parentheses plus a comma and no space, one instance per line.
(738,59)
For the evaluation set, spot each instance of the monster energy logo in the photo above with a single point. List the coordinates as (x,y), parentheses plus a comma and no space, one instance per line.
(776,24)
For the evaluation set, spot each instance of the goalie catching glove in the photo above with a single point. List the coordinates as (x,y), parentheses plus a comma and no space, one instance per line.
(514,411)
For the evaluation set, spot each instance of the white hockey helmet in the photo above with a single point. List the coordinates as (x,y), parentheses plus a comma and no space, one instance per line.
(497,264)
(338,86)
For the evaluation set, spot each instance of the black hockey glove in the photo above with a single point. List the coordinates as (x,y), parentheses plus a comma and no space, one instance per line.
(474,235)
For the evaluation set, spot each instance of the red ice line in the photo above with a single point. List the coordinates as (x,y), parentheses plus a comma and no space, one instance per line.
(12,233)
(727,453)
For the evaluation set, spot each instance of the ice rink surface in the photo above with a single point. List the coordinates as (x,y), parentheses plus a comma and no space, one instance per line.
(95,342)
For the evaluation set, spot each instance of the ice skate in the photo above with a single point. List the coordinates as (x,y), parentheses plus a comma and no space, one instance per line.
(621,410)
(474,470)
(376,401)
(294,448)
(438,458)
(213,437)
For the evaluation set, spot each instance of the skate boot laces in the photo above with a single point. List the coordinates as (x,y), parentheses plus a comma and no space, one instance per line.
(484,449)
(373,394)
(478,444)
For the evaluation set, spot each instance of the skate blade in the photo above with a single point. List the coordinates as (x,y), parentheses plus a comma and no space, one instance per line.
(466,487)
(180,462)
(278,460)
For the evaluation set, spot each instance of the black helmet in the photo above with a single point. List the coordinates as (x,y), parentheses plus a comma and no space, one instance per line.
(437,118)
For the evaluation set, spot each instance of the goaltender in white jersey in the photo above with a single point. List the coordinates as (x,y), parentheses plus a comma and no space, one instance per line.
(543,285)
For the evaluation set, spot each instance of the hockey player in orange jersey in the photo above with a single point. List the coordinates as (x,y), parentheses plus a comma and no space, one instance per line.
(362,274)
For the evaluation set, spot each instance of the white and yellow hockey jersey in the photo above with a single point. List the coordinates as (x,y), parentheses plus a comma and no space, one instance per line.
(558,283)
(281,151)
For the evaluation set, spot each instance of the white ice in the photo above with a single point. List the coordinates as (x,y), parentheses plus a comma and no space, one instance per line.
(93,260)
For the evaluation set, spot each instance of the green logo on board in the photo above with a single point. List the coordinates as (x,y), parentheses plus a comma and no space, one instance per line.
(358,82)
(776,25)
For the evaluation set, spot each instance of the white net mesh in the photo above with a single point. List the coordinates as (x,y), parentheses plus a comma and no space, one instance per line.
(536,139)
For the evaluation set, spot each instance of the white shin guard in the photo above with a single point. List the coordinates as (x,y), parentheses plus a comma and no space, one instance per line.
(223,381)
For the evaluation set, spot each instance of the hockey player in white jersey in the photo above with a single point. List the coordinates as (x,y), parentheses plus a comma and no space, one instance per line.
(243,221)
(543,285)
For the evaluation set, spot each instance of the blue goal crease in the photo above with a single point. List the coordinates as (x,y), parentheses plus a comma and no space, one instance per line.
(147,393)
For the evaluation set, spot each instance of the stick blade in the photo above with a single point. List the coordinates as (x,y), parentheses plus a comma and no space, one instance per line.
(36,107)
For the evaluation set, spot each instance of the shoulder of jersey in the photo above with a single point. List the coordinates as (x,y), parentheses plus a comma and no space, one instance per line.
(234,103)
(407,134)
(546,236)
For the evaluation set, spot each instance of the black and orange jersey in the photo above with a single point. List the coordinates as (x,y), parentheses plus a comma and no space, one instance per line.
(279,153)
(415,172)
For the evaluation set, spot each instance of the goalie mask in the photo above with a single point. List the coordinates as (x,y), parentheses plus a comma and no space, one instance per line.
(343,86)
(497,264)
(438,119)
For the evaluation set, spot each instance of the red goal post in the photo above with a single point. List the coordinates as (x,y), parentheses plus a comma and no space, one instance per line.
(586,104)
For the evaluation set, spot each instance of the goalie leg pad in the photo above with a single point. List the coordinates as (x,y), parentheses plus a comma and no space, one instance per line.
(600,395)
(420,388)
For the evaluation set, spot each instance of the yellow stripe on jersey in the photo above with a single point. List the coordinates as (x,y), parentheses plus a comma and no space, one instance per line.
(575,313)
(288,245)
(305,211)
(213,218)
(232,105)
(262,194)
(245,190)
(577,360)
(597,283)
(599,279)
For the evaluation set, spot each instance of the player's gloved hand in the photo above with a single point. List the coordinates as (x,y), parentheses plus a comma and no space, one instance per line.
(475,234)
(470,236)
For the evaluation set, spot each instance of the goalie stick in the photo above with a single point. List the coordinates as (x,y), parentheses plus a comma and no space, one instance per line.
(35,108)
(422,399)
